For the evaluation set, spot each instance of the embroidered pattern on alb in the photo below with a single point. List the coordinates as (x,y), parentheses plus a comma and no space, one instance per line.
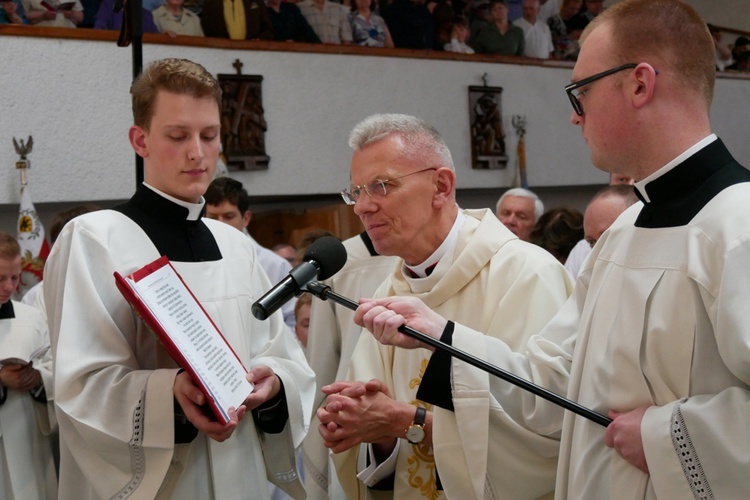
(137,455)
(691,465)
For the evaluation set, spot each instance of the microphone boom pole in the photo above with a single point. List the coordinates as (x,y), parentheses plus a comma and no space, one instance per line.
(324,292)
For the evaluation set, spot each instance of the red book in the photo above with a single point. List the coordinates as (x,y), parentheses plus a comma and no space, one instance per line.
(59,7)
(165,303)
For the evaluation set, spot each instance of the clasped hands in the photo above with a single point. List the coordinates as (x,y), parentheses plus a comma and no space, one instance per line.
(192,400)
(20,377)
(358,412)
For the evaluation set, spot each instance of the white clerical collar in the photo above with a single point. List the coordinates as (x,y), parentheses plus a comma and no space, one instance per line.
(194,209)
(641,185)
(448,245)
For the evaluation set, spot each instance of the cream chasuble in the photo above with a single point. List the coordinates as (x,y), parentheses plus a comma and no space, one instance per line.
(503,287)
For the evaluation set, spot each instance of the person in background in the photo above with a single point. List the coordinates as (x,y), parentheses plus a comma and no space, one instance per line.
(411,24)
(519,209)
(43,13)
(302,317)
(27,467)
(108,19)
(500,37)
(368,28)
(236,20)
(287,252)
(174,19)
(548,8)
(592,9)
(329,20)
(307,239)
(604,209)
(601,212)
(557,231)
(227,201)
(459,36)
(538,38)
(289,25)
(442,15)
(515,9)
(90,8)
(566,27)
(479,19)
(12,12)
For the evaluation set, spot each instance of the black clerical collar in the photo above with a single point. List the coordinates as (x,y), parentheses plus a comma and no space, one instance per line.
(158,205)
(6,310)
(368,244)
(640,186)
(165,222)
(194,210)
(678,195)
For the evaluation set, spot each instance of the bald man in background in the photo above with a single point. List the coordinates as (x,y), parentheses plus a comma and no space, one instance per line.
(603,209)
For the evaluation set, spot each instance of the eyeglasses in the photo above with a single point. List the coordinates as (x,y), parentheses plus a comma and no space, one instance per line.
(574,98)
(375,189)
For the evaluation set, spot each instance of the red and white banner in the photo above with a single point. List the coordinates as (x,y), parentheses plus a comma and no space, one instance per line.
(34,247)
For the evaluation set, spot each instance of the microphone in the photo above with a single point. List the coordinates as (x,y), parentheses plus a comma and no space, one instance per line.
(325,257)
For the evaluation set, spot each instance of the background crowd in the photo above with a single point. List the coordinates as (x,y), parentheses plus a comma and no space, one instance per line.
(541,29)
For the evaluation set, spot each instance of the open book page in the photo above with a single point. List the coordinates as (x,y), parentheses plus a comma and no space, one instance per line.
(192,333)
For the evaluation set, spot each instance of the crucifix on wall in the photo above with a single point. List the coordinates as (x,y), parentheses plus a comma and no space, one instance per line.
(243,124)
(487,132)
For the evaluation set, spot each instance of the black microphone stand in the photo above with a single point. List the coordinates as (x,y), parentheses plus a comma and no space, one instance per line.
(324,292)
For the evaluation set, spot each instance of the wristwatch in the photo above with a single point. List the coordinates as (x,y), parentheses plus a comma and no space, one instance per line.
(415,433)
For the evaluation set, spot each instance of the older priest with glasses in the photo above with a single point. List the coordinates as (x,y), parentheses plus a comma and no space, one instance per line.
(467,265)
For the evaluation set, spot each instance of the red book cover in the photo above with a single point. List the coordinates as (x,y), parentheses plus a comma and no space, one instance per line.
(157,293)
(60,6)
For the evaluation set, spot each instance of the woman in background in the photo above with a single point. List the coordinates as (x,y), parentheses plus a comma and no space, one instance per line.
(368,28)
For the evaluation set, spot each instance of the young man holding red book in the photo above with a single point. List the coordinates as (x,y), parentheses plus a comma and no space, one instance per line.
(131,422)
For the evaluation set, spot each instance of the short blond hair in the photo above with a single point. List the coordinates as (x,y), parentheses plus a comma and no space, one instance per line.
(305,299)
(9,248)
(668,34)
(179,76)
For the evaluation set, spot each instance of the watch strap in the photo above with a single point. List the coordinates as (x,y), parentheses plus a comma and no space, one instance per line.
(420,416)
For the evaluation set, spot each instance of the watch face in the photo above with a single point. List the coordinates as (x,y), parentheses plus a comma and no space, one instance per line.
(415,434)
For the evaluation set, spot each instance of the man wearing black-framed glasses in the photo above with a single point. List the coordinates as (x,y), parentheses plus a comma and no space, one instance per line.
(657,334)
(464,263)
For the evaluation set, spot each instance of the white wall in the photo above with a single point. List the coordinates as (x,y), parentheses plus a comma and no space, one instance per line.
(77,109)
(72,96)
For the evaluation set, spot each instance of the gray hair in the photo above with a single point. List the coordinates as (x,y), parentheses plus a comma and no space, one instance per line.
(523,193)
(420,138)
